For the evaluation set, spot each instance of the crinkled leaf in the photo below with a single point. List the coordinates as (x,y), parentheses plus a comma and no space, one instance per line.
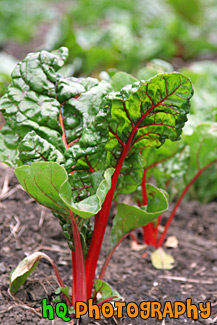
(6,155)
(34,148)
(131,174)
(19,275)
(30,103)
(66,113)
(105,290)
(85,121)
(153,156)
(164,163)
(131,217)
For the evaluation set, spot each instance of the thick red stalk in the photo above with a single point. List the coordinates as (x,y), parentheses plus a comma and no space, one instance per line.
(144,192)
(99,230)
(79,277)
(73,276)
(148,229)
(162,237)
(148,233)
(102,219)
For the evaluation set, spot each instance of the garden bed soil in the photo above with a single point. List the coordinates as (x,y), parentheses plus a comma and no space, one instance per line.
(26,227)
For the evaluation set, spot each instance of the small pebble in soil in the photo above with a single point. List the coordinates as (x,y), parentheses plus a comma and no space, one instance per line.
(2,268)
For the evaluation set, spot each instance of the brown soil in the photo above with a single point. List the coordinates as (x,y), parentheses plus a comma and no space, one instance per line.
(26,227)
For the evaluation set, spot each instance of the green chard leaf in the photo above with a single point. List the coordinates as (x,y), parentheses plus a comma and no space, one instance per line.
(43,181)
(47,183)
(143,115)
(150,112)
(90,205)
(131,217)
(8,156)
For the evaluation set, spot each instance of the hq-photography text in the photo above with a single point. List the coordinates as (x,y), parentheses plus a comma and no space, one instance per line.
(144,309)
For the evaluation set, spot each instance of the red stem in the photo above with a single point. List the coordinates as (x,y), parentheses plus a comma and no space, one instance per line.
(148,233)
(144,192)
(63,130)
(162,237)
(73,276)
(148,229)
(99,230)
(108,299)
(102,219)
(155,232)
(72,142)
(59,279)
(89,165)
(79,277)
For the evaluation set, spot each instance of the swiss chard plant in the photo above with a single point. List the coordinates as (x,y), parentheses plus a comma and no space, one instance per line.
(76,143)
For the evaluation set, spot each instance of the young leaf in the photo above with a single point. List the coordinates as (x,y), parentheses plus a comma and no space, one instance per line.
(104,289)
(64,290)
(131,217)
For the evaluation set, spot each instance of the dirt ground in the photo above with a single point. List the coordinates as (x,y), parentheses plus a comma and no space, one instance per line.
(25,227)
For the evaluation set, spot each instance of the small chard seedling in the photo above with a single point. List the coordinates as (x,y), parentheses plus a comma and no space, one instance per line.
(75,143)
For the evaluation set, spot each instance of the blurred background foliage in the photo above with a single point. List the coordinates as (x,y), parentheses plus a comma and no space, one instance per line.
(141,37)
